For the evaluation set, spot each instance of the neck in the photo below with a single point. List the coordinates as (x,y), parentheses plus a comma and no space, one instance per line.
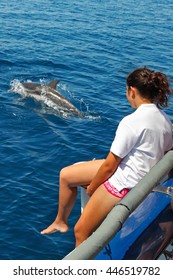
(135,97)
(141,102)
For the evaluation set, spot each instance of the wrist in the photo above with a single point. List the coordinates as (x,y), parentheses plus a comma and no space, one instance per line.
(89,190)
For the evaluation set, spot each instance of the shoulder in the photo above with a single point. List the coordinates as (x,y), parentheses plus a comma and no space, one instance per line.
(127,127)
(129,120)
(166,117)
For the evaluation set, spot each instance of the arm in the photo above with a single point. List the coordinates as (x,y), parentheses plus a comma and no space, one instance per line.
(109,167)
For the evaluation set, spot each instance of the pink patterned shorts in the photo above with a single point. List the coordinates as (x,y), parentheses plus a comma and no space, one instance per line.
(111,189)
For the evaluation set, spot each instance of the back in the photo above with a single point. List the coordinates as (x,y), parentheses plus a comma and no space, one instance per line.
(142,138)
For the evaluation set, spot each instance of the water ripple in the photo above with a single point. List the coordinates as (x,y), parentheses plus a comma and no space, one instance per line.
(91,47)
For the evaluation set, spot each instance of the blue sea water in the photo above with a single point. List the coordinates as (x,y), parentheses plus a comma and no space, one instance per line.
(90,46)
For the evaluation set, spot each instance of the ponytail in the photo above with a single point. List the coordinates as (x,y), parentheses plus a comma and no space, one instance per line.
(151,85)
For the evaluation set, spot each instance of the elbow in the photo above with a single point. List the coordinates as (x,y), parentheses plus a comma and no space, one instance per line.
(109,169)
(111,164)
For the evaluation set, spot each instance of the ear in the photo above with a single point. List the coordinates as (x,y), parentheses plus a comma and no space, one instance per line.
(132,92)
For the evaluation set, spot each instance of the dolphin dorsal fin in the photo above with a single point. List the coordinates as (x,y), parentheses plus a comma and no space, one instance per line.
(53,84)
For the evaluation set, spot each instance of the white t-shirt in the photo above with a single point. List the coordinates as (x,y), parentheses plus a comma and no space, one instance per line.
(141,139)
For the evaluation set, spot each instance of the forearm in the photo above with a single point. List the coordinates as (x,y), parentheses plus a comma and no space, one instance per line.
(106,170)
(102,175)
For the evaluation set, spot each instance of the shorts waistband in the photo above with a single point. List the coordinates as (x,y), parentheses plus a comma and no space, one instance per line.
(112,190)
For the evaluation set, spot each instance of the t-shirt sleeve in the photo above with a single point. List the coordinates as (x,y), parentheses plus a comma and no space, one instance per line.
(124,141)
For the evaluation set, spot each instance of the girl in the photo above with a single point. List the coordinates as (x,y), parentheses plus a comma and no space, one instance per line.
(141,140)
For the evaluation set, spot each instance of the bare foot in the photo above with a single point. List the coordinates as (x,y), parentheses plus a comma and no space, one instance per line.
(54,227)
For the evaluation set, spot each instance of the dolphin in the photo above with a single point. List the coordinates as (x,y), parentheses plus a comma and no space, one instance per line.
(38,91)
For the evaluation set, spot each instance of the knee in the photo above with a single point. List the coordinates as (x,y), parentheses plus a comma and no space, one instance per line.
(77,228)
(64,175)
(80,232)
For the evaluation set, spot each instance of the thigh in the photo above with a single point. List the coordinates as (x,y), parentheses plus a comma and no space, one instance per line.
(96,210)
(81,173)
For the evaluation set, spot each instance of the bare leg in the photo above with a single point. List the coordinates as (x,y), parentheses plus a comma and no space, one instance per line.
(96,210)
(70,178)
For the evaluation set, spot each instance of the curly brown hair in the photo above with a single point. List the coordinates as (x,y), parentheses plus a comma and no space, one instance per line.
(152,85)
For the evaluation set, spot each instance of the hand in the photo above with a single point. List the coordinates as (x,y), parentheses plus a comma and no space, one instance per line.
(89,190)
